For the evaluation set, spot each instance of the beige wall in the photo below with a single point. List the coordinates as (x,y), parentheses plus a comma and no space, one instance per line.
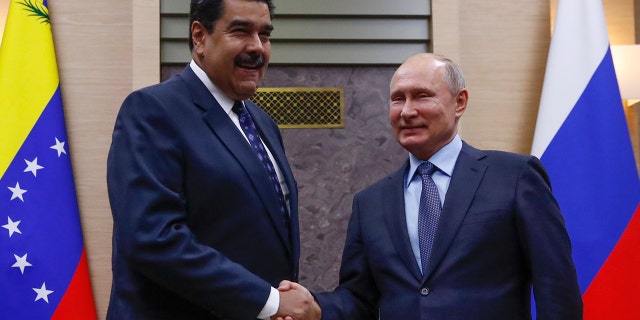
(502,47)
(103,55)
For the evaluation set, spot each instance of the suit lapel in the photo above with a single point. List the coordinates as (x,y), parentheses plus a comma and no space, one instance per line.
(230,136)
(467,175)
(395,217)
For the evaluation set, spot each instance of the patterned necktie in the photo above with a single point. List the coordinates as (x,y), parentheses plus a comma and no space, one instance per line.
(429,212)
(249,128)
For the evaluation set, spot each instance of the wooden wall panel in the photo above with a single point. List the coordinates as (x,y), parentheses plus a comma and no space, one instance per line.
(99,65)
(146,43)
(446,27)
(93,45)
(502,49)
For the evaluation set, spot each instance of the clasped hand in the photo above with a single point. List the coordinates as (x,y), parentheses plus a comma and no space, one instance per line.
(296,303)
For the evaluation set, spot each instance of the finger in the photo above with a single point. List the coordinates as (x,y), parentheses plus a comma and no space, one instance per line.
(285,285)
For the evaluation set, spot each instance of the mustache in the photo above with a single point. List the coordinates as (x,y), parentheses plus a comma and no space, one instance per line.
(255,60)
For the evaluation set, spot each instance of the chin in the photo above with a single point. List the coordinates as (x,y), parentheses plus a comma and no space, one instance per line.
(246,90)
(245,95)
(409,145)
(412,143)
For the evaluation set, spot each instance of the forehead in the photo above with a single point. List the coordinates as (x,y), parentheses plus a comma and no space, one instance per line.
(416,72)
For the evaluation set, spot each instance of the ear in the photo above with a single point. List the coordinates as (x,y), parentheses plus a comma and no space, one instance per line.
(198,36)
(461,102)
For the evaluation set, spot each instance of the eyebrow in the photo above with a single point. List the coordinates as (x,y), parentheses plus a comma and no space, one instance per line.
(244,23)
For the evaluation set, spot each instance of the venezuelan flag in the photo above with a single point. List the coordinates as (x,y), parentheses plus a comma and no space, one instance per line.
(43,267)
(583,140)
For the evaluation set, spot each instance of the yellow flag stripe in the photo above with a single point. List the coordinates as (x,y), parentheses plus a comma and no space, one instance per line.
(28,76)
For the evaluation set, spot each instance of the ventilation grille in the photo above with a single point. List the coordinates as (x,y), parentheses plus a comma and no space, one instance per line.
(303,107)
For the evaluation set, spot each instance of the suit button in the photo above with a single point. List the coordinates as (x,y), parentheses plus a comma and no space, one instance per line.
(424,291)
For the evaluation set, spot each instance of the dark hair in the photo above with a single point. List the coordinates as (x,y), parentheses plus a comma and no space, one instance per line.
(207,12)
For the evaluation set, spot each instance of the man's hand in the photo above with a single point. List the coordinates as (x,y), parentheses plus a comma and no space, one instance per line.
(296,303)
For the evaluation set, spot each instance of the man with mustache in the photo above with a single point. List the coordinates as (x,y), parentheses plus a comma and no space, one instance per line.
(204,202)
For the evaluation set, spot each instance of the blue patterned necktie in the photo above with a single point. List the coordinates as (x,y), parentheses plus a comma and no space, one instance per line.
(249,128)
(429,212)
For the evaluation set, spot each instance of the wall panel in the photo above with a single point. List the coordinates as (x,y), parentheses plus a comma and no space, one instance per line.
(502,48)
(326,7)
(322,32)
(99,64)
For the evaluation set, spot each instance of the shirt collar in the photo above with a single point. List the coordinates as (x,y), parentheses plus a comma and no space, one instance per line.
(444,159)
(225,102)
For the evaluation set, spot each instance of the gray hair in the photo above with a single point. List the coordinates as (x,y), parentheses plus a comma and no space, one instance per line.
(452,73)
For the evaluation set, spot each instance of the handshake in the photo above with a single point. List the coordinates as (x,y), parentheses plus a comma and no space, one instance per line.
(296,303)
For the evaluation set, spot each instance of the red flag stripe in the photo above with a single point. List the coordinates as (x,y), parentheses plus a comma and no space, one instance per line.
(616,288)
(77,302)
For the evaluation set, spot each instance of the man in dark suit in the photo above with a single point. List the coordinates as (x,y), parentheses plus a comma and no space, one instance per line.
(205,213)
(496,229)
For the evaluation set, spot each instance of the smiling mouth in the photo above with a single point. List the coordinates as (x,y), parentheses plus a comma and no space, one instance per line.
(411,130)
(411,127)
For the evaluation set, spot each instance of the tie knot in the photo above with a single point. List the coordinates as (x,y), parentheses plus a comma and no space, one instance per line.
(238,107)
(426,168)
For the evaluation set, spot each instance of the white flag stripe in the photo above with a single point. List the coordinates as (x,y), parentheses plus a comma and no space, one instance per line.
(578,44)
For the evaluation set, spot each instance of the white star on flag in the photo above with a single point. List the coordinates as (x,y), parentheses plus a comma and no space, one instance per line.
(21,262)
(33,166)
(43,293)
(12,226)
(17,192)
(59,146)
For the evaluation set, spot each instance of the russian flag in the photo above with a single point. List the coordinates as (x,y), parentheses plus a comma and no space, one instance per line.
(583,140)
(43,265)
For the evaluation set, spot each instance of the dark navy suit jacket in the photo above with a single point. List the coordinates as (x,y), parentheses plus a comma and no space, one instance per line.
(500,233)
(197,228)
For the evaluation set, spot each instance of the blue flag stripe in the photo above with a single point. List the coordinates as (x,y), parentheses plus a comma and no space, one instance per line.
(594,176)
(50,226)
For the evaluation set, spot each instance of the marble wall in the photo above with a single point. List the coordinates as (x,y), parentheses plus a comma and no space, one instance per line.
(331,165)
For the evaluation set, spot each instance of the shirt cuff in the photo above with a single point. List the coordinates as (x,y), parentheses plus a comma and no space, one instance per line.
(271,307)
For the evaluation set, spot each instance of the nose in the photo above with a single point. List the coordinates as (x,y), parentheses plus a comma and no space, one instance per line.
(408,110)
(254,44)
